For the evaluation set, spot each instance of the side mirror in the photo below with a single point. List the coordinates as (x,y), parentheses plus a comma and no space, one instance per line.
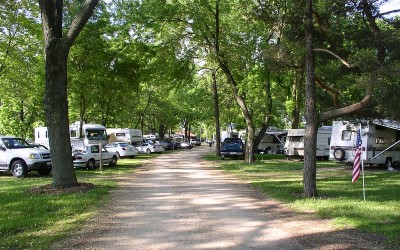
(2,147)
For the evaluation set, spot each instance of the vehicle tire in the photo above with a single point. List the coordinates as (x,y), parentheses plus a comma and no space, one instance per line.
(148,151)
(114,161)
(44,172)
(118,156)
(222,157)
(90,164)
(19,169)
(339,154)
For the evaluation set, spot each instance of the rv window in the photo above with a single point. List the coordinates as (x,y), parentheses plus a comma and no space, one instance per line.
(296,138)
(38,134)
(379,127)
(380,140)
(346,135)
(73,133)
(120,134)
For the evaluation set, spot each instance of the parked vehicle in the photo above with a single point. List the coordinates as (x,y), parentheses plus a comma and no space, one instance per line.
(232,147)
(122,149)
(273,141)
(91,134)
(185,145)
(195,142)
(169,145)
(131,136)
(90,156)
(380,142)
(294,146)
(19,158)
(148,148)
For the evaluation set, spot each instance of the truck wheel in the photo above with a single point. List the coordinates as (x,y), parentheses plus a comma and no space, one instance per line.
(44,172)
(19,169)
(90,164)
(338,154)
(114,161)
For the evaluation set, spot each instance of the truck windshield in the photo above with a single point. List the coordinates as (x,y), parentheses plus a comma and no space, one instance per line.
(96,134)
(15,143)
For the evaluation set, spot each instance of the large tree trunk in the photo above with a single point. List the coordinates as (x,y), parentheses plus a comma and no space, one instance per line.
(310,137)
(56,107)
(56,98)
(216,114)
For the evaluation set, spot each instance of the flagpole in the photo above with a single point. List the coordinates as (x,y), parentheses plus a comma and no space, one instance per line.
(362,167)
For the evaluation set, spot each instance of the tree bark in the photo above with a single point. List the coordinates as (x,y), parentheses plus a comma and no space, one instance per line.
(216,113)
(56,99)
(310,136)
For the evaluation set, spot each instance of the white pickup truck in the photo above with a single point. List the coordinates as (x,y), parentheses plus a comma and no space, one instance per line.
(19,158)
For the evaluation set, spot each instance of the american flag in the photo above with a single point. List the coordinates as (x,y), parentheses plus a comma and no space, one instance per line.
(357,158)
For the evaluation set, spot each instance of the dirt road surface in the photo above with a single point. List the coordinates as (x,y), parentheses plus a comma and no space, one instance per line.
(179,201)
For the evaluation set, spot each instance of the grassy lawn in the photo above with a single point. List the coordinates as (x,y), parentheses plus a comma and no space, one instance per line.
(34,221)
(339,199)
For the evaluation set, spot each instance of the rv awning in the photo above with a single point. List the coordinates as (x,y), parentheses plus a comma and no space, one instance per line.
(387,123)
(276,132)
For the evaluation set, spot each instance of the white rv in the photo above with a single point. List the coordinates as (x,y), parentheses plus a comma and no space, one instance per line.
(131,136)
(294,145)
(379,142)
(91,134)
(273,141)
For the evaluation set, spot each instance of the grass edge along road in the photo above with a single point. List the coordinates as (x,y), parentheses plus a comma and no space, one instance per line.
(35,221)
(339,199)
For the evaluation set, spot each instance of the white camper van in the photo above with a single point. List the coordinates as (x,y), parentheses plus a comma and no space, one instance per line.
(379,142)
(91,134)
(294,145)
(131,136)
(273,141)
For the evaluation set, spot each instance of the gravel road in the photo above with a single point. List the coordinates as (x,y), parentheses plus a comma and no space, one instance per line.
(179,201)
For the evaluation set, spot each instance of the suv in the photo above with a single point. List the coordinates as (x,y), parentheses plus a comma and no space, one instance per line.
(18,157)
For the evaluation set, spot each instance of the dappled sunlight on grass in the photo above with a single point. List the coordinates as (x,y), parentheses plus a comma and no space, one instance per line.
(339,199)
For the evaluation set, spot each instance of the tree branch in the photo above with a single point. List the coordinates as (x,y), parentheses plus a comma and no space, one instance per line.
(338,57)
(80,20)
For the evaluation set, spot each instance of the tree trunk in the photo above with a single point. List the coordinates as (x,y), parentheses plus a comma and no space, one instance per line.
(56,98)
(56,107)
(216,114)
(310,136)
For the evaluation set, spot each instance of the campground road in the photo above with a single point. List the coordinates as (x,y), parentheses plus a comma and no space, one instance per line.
(179,201)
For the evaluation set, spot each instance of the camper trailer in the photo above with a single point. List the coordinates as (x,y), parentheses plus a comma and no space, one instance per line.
(273,141)
(379,142)
(294,146)
(131,136)
(91,134)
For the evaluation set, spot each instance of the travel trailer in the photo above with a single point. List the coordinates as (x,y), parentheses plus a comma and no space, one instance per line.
(379,142)
(91,134)
(294,145)
(131,136)
(273,141)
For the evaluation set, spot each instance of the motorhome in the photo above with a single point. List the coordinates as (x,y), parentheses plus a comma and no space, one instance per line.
(294,145)
(273,141)
(379,138)
(131,136)
(91,134)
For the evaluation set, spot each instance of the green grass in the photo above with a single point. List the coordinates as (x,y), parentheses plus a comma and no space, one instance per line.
(338,198)
(34,221)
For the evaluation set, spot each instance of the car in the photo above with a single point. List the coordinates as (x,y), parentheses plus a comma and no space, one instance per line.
(169,145)
(122,149)
(148,148)
(89,157)
(185,145)
(195,142)
(19,157)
